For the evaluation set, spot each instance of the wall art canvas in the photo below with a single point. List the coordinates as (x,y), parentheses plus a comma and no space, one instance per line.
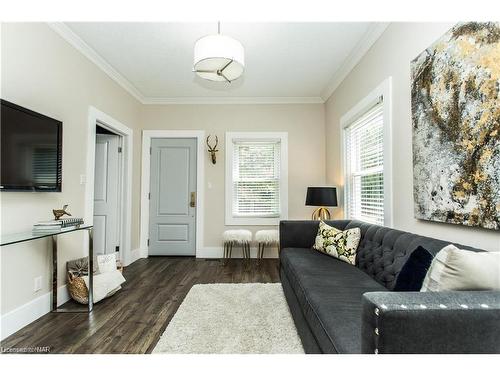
(455,97)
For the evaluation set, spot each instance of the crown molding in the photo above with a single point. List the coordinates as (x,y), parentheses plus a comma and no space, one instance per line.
(235,100)
(369,38)
(67,34)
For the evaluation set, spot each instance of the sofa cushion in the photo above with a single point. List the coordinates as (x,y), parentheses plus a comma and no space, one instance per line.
(456,269)
(329,292)
(413,273)
(337,243)
(382,251)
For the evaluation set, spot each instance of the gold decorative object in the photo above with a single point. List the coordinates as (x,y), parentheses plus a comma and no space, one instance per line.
(59,213)
(321,213)
(213,150)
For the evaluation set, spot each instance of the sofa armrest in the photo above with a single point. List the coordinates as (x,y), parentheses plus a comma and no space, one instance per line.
(302,233)
(425,322)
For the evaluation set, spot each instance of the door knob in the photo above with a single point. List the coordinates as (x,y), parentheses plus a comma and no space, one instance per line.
(193,199)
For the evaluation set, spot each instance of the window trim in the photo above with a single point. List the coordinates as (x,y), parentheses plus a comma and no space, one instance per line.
(282,137)
(384,89)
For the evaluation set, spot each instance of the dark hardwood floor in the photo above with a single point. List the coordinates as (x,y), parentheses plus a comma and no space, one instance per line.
(133,319)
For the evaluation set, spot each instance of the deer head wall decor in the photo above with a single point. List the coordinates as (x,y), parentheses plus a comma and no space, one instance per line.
(213,149)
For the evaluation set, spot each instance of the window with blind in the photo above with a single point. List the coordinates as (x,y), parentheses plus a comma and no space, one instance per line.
(256,179)
(255,183)
(364,162)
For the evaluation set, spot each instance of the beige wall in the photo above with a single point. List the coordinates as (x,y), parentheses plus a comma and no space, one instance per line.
(306,148)
(391,56)
(44,73)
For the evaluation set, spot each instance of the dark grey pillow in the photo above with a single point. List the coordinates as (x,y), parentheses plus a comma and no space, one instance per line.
(412,275)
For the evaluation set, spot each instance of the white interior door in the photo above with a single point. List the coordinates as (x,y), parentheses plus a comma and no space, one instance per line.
(106,192)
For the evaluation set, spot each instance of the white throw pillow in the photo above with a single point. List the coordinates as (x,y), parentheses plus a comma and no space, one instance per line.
(106,263)
(105,284)
(456,269)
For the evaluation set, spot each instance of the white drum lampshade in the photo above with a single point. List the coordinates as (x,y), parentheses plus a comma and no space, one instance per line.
(219,58)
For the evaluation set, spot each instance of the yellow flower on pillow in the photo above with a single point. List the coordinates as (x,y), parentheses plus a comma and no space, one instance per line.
(337,243)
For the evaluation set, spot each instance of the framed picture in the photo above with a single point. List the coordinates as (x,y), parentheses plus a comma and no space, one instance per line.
(456,127)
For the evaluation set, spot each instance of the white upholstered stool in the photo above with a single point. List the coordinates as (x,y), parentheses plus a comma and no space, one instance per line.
(236,237)
(266,238)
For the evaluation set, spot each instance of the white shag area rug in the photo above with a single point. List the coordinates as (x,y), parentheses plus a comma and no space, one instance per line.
(232,318)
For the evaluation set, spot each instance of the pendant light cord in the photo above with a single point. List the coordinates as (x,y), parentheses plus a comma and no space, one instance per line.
(218,27)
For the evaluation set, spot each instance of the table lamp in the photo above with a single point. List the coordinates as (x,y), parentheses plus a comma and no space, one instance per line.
(322,197)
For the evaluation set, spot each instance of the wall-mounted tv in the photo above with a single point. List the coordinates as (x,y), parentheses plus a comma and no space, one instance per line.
(31,154)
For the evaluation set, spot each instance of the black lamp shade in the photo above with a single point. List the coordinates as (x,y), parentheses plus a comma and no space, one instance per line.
(321,196)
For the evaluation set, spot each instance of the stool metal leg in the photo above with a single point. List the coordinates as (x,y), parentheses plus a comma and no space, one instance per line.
(231,250)
(225,254)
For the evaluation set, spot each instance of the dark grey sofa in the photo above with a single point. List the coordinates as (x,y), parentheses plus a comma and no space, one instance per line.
(340,308)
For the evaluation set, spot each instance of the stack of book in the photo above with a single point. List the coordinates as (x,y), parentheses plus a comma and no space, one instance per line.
(60,225)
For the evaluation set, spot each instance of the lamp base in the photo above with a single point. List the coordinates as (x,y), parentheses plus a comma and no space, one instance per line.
(321,213)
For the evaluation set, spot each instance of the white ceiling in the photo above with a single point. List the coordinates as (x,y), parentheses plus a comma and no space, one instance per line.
(284,62)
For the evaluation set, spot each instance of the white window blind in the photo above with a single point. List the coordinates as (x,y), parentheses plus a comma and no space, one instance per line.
(365,166)
(256,178)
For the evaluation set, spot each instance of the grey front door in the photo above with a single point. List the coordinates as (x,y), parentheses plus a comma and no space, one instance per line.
(172,206)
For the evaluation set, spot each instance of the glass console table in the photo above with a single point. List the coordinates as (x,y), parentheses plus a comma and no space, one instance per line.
(10,239)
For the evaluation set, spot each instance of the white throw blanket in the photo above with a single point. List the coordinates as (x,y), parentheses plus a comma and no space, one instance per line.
(105,284)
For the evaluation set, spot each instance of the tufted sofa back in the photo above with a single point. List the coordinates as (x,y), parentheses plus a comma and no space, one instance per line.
(383,251)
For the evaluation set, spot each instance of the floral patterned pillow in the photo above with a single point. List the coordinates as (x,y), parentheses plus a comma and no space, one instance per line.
(337,243)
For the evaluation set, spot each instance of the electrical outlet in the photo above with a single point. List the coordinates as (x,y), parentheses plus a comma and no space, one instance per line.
(37,283)
(83,179)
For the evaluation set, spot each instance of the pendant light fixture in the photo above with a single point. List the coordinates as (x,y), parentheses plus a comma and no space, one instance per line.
(219,57)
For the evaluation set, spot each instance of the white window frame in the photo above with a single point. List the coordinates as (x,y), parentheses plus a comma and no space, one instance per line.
(385,90)
(281,137)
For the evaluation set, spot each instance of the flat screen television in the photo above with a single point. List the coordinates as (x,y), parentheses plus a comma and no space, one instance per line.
(31,154)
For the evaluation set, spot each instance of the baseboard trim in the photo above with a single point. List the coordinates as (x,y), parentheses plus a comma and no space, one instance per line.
(21,316)
(212,252)
(136,254)
(217,252)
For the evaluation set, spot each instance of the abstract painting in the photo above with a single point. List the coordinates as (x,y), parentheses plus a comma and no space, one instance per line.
(455,97)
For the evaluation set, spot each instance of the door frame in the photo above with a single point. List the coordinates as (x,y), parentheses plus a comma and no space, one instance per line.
(147,135)
(95,117)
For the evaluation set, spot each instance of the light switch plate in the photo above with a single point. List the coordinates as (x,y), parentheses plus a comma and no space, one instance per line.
(37,283)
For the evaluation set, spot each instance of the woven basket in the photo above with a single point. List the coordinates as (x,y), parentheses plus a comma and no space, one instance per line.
(77,288)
